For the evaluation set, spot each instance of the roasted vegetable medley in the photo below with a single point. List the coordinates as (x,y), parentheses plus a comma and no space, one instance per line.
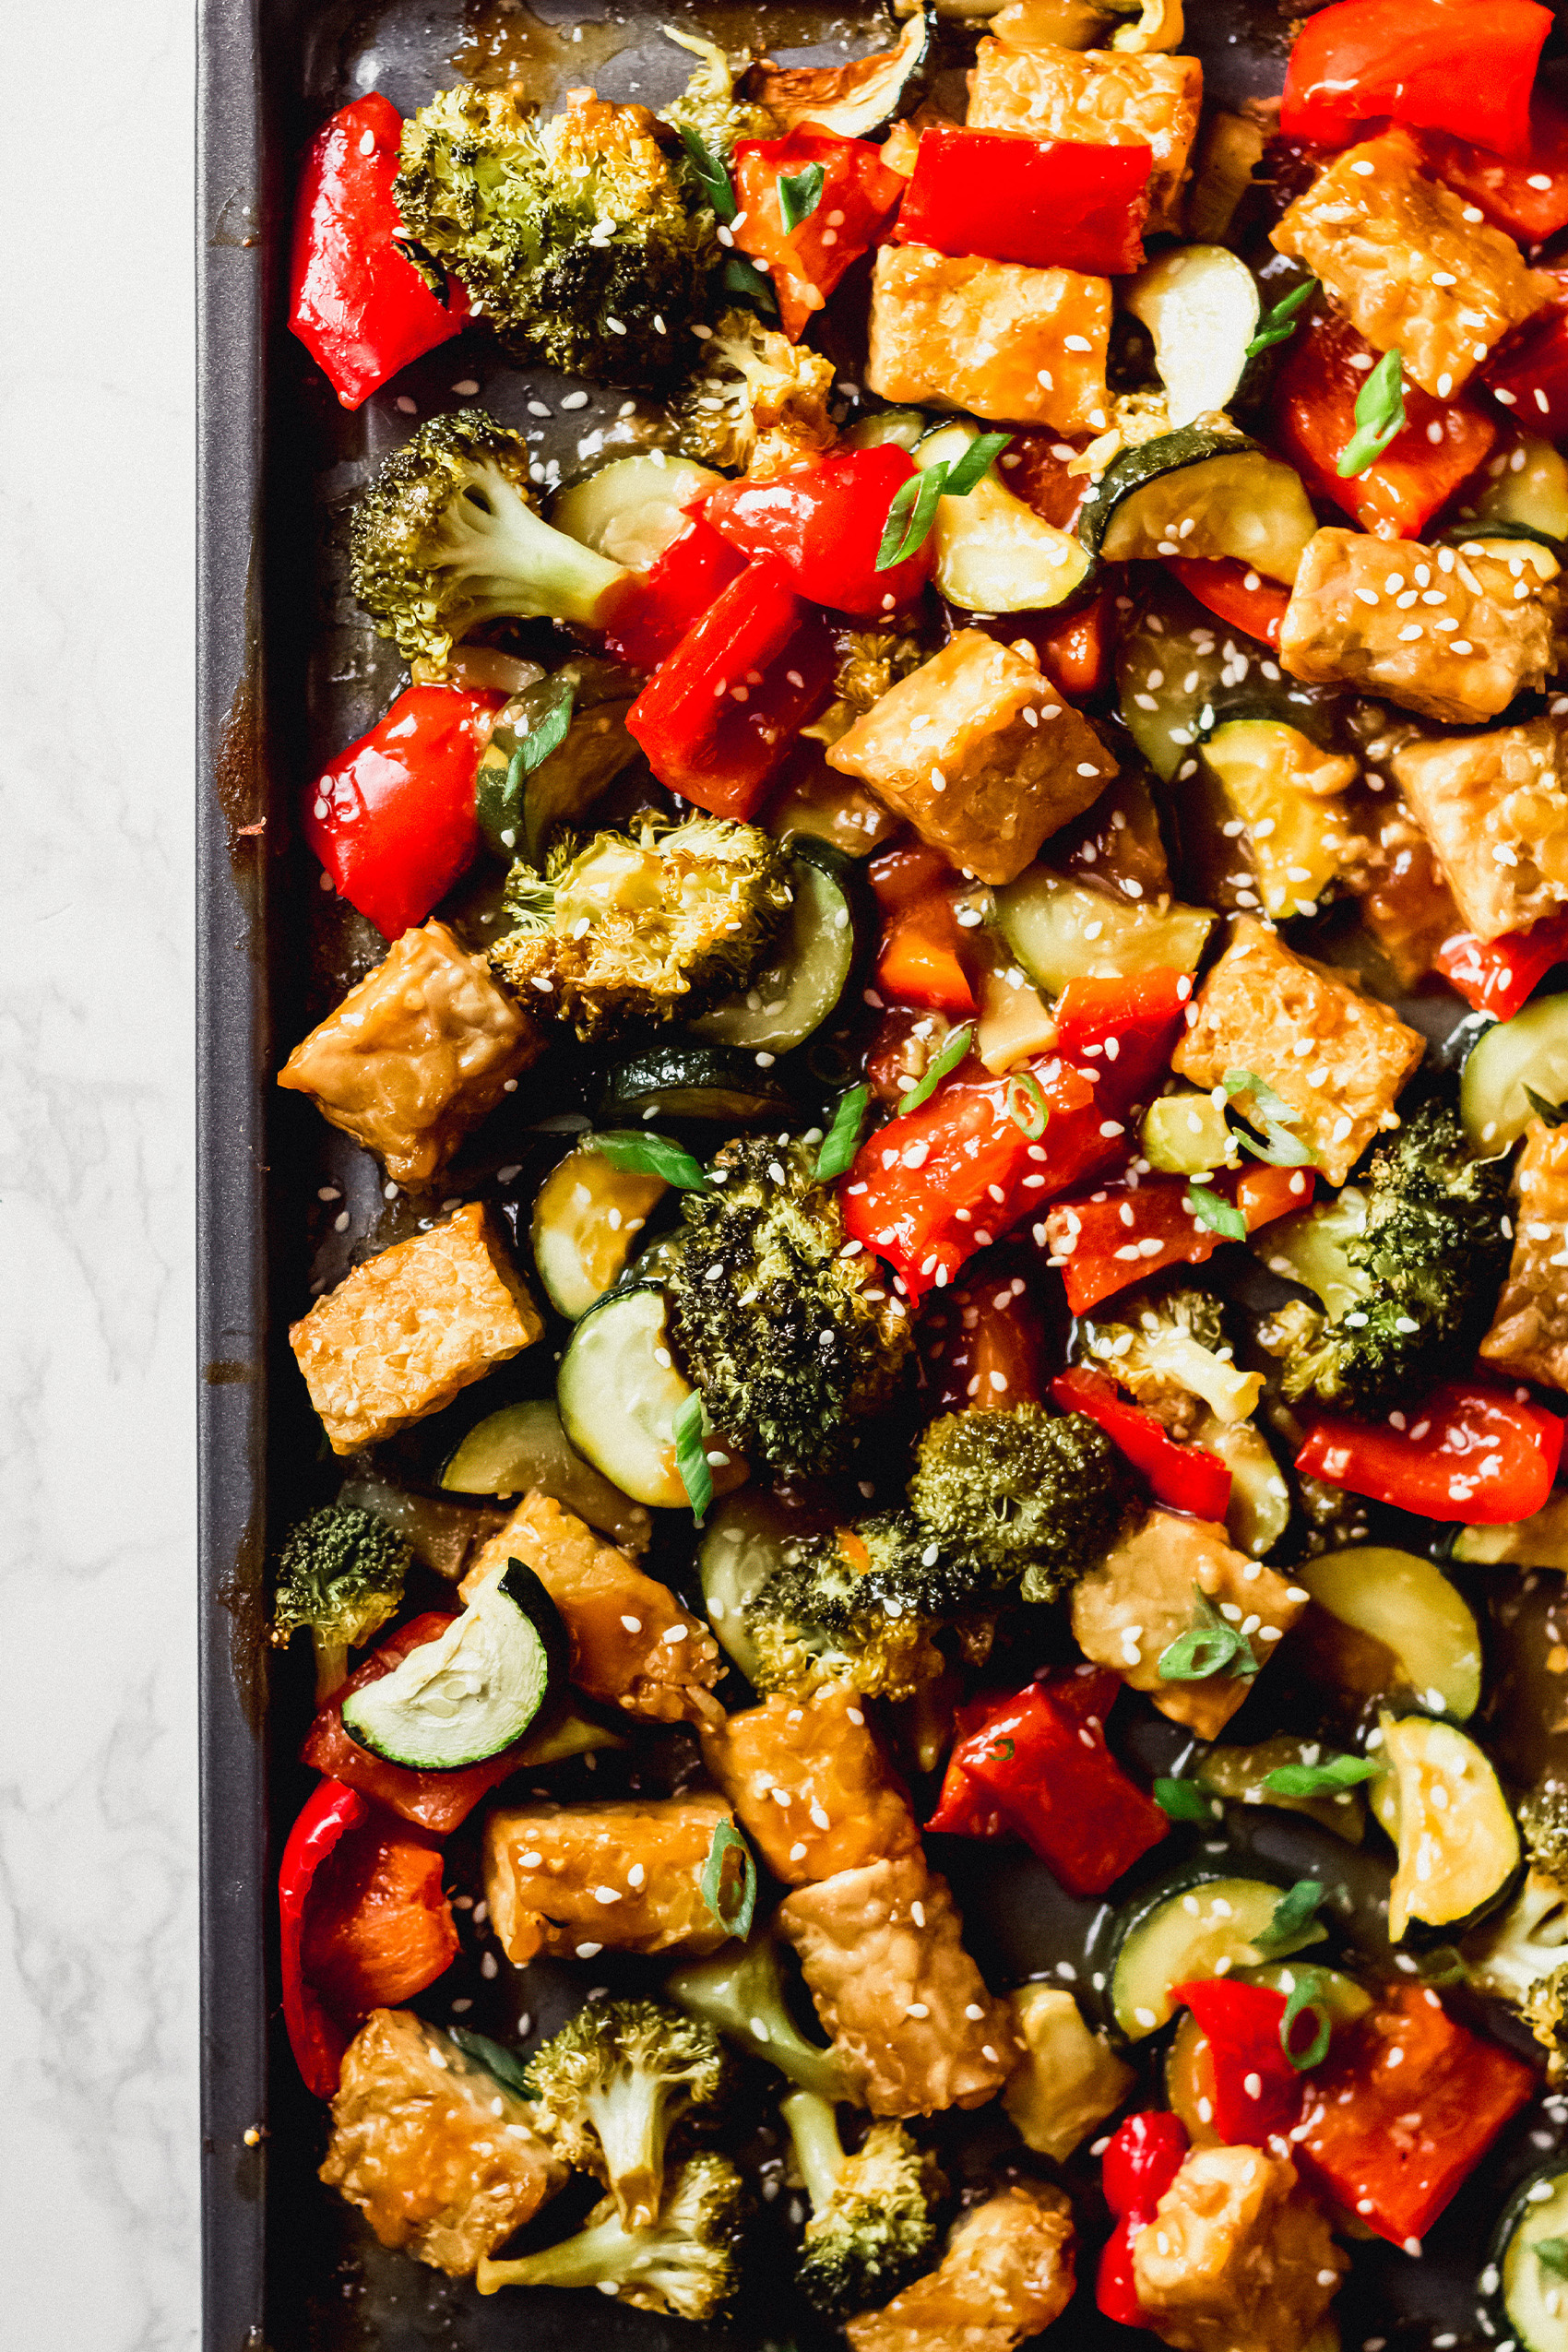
(936,1568)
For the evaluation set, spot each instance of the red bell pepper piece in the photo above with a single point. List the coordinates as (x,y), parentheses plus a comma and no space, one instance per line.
(1237,595)
(860,196)
(1314,419)
(1257,2092)
(1108,1237)
(1145,2154)
(1077,652)
(439,1802)
(1460,65)
(1403,2110)
(720,714)
(1045,1761)
(902,876)
(982,1345)
(918,962)
(656,612)
(1131,1024)
(1529,375)
(1499,975)
(378,1928)
(1526,195)
(357,303)
(824,520)
(1468,1452)
(963,1808)
(1184,1477)
(392,819)
(1046,203)
(315,2037)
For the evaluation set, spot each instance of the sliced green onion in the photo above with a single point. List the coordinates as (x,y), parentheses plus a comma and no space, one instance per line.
(1279,324)
(647,1155)
(800,193)
(1380,416)
(1319,1780)
(743,277)
(1209,1647)
(1306,2001)
(838,1154)
(1292,1914)
(948,1059)
(1026,1105)
(1184,1801)
(911,515)
(1218,1214)
(715,179)
(690,1455)
(737,1915)
(960,477)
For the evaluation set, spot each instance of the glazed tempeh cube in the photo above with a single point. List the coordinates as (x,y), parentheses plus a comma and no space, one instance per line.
(1101,96)
(1495,810)
(1529,1331)
(813,1788)
(626,1875)
(1012,345)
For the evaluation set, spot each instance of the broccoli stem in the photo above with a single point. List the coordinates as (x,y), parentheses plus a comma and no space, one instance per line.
(331,1664)
(631,2116)
(522,566)
(819,2152)
(606,2250)
(744,1997)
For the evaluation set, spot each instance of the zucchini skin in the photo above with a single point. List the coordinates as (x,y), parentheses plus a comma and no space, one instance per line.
(1525,2199)
(693,1081)
(1135,469)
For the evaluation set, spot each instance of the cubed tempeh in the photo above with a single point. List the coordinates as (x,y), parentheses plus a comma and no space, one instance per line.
(1101,96)
(810,1785)
(626,1875)
(1012,345)
(1495,810)
(1529,1331)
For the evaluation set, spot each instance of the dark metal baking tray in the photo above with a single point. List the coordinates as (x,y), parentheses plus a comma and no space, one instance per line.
(288,674)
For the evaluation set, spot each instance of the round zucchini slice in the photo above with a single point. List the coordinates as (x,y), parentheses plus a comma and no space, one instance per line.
(994,553)
(1532,489)
(586,1222)
(1198,492)
(473,1691)
(1407,1605)
(695,1082)
(523,1449)
(1457,1841)
(802,984)
(745,1541)
(903,427)
(1062,931)
(1197,1925)
(1201,305)
(619,1391)
(1529,1050)
(520,809)
(631,508)
(1527,2287)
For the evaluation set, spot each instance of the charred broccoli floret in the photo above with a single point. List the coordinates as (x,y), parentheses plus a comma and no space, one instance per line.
(1522,1957)
(870,663)
(609,2088)
(740,1992)
(583,242)
(1407,1267)
(861,1606)
(758,401)
(791,1341)
(873,2222)
(1174,1361)
(340,1571)
(446,538)
(644,925)
(686,2265)
(1022,1493)
(708,104)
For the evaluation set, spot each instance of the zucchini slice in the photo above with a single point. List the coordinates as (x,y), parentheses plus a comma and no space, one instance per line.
(586,1223)
(804,981)
(1289,794)
(1199,492)
(694,1082)
(1532,489)
(1181,671)
(994,553)
(619,1391)
(523,1449)
(904,427)
(1409,1606)
(473,1691)
(1457,1842)
(1201,305)
(631,508)
(1062,931)
(519,813)
(1196,1925)
(1529,2294)
(746,1541)
(1529,1050)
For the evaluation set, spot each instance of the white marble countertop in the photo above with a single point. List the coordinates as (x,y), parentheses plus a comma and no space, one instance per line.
(98,1742)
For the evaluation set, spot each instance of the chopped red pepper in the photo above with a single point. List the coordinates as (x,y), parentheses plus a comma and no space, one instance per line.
(918,962)
(1131,1024)
(1044,1761)
(677,590)
(1108,1237)
(1529,375)
(964,1809)
(1034,466)
(1460,65)
(1257,2092)
(378,1928)
(392,819)
(1526,196)
(439,1802)
(1075,651)
(1144,2157)
(1049,204)
(1467,1452)
(1406,2107)
(1314,421)
(857,199)
(1237,595)
(720,714)
(357,303)
(1184,1477)
(825,521)
(315,2037)
(982,1345)
(1499,975)
(910,872)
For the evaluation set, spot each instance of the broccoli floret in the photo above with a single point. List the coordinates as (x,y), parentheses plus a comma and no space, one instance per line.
(686,2265)
(446,538)
(741,1992)
(791,1341)
(610,2085)
(1173,1360)
(861,1606)
(758,401)
(1409,1269)
(708,104)
(340,1571)
(870,664)
(1023,1493)
(1522,1957)
(583,242)
(873,2221)
(643,926)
